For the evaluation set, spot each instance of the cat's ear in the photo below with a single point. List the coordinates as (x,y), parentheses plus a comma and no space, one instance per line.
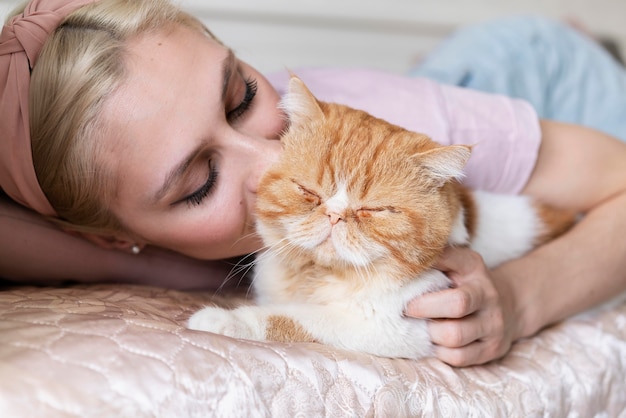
(443,164)
(299,103)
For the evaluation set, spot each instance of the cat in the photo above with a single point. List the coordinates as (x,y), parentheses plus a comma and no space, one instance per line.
(353,216)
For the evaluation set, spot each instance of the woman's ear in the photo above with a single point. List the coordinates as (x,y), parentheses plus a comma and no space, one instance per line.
(110,242)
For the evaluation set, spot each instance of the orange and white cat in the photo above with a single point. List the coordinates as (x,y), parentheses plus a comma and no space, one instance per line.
(353,216)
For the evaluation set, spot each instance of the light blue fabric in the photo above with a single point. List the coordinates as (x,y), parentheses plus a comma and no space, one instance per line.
(565,75)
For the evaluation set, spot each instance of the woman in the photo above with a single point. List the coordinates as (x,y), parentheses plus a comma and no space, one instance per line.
(148,133)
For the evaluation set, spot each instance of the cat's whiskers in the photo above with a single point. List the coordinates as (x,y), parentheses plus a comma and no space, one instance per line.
(251,234)
(235,271)
(278,248)
(281,248)
(240,268)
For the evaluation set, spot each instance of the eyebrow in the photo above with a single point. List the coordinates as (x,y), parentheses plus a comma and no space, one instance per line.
(228,66)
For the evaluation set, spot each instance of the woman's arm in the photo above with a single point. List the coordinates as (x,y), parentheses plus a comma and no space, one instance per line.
(34,251)
(578,168)
(585,170)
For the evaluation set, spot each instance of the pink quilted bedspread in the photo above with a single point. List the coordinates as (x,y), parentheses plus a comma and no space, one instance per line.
(123,351)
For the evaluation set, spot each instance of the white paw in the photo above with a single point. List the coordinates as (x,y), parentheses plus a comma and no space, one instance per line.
(409,339)
(226,322)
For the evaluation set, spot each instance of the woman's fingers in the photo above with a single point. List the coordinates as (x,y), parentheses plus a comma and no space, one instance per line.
(455,333)
(468,321)
(461,262)
(448,303)
(476,339)
(478,352)
(467,271)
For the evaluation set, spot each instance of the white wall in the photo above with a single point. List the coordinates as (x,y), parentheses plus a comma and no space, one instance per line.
(386,34)
(5,7)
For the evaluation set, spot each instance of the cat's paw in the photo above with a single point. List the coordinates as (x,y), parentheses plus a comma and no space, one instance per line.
(227,322)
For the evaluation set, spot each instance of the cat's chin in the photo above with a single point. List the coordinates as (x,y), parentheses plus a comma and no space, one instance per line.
(325,261)
(327,255)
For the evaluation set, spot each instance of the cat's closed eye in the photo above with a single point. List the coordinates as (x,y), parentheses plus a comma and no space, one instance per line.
(365,212)
(310,196)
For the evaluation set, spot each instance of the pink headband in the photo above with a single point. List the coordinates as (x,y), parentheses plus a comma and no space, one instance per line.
(21,41)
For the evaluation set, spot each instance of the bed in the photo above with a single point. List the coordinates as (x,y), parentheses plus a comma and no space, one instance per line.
(116,350)
(124,351)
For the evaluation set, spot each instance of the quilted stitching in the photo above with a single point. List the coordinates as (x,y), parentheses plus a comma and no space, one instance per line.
(118,350)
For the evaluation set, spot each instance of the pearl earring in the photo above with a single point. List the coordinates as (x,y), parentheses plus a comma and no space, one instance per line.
(135,249)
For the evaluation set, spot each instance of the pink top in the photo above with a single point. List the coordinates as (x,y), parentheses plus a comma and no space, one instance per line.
(505,131)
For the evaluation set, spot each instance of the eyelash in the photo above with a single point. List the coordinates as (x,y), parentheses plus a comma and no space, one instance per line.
(246,103)
(196,198)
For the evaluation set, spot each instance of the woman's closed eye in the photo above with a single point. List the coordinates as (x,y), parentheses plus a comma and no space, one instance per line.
(245,104)
(196,198)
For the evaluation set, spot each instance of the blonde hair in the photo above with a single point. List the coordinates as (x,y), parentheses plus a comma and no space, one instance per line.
(80,65)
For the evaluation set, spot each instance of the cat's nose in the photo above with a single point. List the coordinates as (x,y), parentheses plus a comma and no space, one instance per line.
(334,217)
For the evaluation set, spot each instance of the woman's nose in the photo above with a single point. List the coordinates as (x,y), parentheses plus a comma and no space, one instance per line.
(264,153)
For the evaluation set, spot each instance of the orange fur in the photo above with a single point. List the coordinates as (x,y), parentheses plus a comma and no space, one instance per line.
(556,222)
(398,194)
(284,329)
(394,200)
(469,208)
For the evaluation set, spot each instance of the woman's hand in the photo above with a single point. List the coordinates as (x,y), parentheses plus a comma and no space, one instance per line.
(473,322)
